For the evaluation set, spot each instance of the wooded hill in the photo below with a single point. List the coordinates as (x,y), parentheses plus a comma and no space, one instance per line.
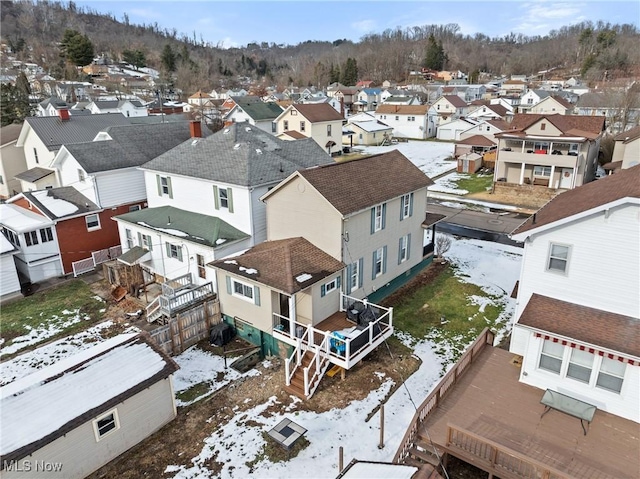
(34,29)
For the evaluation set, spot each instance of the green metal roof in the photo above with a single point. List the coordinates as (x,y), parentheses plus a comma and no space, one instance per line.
(185,225)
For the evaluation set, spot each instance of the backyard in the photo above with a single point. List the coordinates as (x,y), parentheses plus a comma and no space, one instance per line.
(223,415)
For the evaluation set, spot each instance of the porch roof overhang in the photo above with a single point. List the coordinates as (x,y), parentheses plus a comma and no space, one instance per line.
(431,219)
(550,139)
(591,326)
(134,256)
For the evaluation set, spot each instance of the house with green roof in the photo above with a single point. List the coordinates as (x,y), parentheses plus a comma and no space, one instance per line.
(260,114)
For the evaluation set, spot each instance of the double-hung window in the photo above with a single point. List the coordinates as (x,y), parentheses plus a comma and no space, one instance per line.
(106,424)
(378,213)
(551,356)
(406,206)
(174,251)
(580,365)
(611,375)
(403,249)
(243,290)
(128,237)
(558,258)
(354,277)
(378,262)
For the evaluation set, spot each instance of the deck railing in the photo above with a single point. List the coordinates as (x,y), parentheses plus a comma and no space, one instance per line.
(320,362)
(440,391)
(173,285)
(495,458)
(345,352)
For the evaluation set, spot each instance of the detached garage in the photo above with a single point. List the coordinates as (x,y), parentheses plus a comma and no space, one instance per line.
(71,418)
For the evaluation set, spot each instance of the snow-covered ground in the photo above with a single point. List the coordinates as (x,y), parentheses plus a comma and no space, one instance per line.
(429,156)
(48,327)
(493,267)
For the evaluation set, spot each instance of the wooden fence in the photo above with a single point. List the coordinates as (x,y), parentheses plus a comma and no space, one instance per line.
(439,392)
(187,328)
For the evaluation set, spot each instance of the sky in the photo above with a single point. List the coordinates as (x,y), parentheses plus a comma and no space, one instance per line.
(234,24)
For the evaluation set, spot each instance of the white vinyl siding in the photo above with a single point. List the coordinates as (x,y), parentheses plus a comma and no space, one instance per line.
(174,251)
(106,424)
(580,365)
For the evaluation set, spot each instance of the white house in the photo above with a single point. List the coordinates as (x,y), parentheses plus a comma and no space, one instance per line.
(42,137)
(9,281)
(487,128)
(452,130)
(450,107)
(261,115)
(34,236)
(365,129)
(70,418)
(408,121)
(578,327)
(319,121)
(203,197)
(487,112)
(626,149)
(552,105)
(128,108)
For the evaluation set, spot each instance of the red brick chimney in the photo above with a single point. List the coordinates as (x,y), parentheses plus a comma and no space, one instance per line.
(196,129)
(63,113)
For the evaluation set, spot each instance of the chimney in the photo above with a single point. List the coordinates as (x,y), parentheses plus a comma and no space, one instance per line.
(196,129)
(63,113)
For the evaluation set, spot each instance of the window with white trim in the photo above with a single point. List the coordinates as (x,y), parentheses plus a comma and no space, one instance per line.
(551,356)
(146,242)
(223,196)
(128,238)
(611,375)
(580,365)
(202,272)
(328,130)
(243,290)
(80,174)
(558,258)
(35,155)
(93,222)
(354,279)
(286,125)
(106,424)
(31,238)
(302,126)
(406,205)
(377,266)
(165,188)
(542,171)
(174,251)
(46,235)
(331,286)
(377,218)
(403,255)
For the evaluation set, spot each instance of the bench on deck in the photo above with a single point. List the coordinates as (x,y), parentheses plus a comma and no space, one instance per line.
(568,405)
(541,181)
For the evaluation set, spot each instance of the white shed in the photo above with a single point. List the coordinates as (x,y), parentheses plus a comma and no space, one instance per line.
(9,282)
(70,418)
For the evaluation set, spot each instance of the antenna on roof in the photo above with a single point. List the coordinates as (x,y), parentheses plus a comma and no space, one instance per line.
(168,220)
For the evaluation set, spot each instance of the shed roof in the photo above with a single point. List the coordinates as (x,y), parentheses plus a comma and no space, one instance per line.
(49,403)
(58,203)
(34,174)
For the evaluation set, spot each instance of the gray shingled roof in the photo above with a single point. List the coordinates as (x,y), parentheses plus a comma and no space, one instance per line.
(185,225)
(132,145)
(64,193)
(54,132)
(10,133)
(34,174)
(241,155)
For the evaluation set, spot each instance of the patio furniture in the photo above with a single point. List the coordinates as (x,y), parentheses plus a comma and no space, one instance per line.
(568,405)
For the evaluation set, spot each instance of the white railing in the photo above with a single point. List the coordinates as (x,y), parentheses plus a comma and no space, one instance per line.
(154,310)
(343,352)
(97,257)
(320,362)
(173,285)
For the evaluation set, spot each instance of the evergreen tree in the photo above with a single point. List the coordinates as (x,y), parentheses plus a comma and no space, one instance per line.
(350,72)
(14,103)
(76,48)
(168,59)
(435,57)
(136,58)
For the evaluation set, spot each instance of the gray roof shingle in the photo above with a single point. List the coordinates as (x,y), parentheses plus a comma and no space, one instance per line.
(34,174)
(240,155)
(131,146)
(65,193)
(54,132)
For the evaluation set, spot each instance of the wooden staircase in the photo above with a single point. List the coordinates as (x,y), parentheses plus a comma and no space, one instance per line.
(297,380)
(423,456)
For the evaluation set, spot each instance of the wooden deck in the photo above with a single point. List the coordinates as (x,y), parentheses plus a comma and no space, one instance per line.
(335,322)
(489,401)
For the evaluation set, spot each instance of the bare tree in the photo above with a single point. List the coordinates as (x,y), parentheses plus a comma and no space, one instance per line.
(443,244)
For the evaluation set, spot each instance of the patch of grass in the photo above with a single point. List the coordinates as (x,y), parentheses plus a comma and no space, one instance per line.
(444,311)
(273,452)
(48,307)
(194,392)
(474,183)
